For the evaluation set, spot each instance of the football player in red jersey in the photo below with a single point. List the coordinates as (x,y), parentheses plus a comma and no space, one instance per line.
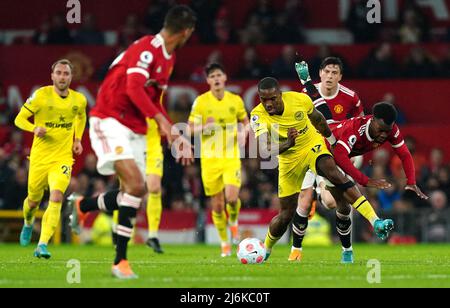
(343,104)
(358,136)
(128,96)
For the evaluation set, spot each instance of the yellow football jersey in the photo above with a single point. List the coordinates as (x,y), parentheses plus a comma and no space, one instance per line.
(63,118)
(297,107)
(221,142)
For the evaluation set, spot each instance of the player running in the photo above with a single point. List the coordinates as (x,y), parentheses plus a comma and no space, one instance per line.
(128,96)
(215,115)
(358,136)
(285,124)
(59,121)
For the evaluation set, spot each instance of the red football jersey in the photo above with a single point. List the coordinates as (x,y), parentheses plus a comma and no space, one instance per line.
(136,79)
(353,135)
(344,104)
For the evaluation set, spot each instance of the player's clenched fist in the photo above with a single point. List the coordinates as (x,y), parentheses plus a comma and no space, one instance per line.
(39,131)
(292,135)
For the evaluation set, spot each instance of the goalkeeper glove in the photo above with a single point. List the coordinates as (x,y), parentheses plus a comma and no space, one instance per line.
(302,72)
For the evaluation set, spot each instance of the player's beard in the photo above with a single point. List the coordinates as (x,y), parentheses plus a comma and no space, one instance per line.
(62,86)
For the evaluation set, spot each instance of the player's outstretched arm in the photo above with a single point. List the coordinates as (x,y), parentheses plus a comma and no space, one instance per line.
(319,122)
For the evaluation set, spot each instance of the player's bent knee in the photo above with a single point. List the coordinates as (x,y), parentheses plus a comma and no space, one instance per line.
(56,196)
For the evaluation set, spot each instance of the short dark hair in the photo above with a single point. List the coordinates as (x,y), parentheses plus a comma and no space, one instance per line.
(212,67)
(332,61)
(64,62)
(268,83)
(179,18)
(385,111)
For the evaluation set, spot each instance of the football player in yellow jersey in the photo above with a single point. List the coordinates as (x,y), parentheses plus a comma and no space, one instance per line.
(285,124)
(59,122)
(216,115)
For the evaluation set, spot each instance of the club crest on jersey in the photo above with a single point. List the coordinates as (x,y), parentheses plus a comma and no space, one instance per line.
(338,108)
(255,118)
(352,140)
(299,116)
(75,109)
(232,110)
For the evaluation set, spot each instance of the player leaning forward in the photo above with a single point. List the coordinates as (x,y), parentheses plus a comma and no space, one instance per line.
(118,125)
(285,124)
(59,122)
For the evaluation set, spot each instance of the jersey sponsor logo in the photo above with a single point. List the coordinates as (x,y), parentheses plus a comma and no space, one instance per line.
(362,129)
(299,116)
(303,131)
(397,133)
(67,126)
(338,109)
(352,140)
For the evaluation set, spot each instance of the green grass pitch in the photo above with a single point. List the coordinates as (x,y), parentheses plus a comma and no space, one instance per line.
(200,266)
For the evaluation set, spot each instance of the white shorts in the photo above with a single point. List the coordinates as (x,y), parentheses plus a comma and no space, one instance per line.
(310,179)
(112,141)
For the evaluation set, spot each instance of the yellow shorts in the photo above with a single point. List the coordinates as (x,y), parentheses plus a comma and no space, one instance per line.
(54,176)
(220,172)
(292,173)
(155,158)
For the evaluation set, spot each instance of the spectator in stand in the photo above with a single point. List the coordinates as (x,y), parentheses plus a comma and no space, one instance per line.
(379,166)
(363,32)
(388,197)
(4,108)
(265,13)
(436,222)
(420,161)
(90,170)
(390,98)
(436,161)
(252,33)
(444,180)
(58,33)
(154,16)
(206,11)
(415,27)
(130,31)
(379,64)
(223,31)
(420,64)
(89,34)
(282,67)
(6,173)
(16,145)
(410,32)
(41,34)
(252,68)
(17,190)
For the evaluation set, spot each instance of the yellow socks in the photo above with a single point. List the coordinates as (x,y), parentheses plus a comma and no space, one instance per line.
(220,221)
(28,213)
(233,212)
(270,241)
(50,221)
(363,206)
(154,211)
